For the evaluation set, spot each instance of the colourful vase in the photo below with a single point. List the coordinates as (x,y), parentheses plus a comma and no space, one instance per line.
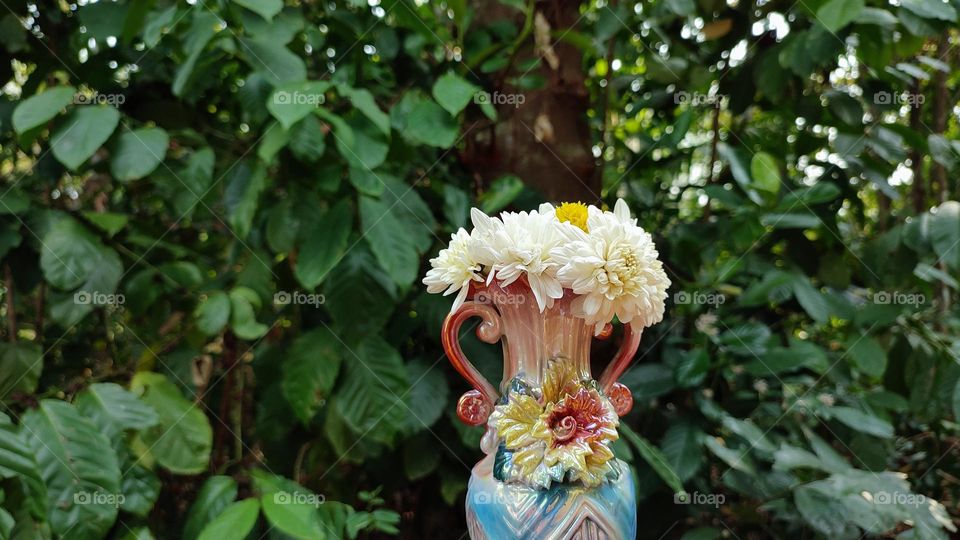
(548,471)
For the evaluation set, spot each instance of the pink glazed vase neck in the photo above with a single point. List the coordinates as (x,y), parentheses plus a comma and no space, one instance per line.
(530,339)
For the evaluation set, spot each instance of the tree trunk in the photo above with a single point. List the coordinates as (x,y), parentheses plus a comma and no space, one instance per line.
(542,136)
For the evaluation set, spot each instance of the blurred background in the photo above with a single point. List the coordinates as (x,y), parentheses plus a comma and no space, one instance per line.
(215,215)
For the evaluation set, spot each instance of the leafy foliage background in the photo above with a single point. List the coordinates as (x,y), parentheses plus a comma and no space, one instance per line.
(214,216)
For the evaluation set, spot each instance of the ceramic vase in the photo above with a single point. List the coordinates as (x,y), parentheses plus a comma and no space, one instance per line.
(556,479)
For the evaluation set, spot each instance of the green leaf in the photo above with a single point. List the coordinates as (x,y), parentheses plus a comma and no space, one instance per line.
(861,421)
(82,134)
(324,246)
(931,9)
(692,368)
(243,318)
(944,233)
(428,393)
(272,60)
(309,371)
(39,109)
(502,192)
(363,101)
(265,8)
(236,521)
(242,196)
(213,313)
(290,514)
(79,468)
(182,440)
(20,368)
(203,26)
(74,259)
(765,172)
(427,123)
(867,355)
(453,92)
(138,153)
(307,140)
(17,460)
(366,181)
(13,201)
(108,222)
(369,399)
(836,14)
(114,409)
(682,448)
(655,458)
(383,230)
(812,300)
(215,495)
(359,295)
(292,102)
(139,485)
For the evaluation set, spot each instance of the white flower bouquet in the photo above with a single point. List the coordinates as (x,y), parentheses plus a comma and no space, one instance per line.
(603,257)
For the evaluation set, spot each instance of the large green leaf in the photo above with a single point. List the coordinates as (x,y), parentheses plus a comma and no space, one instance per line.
(242,196)
(370,398)
(861,421)
(453,92)
(655,458)
(182,440)
(265,8)
(309,372)
(291,102)
(868,355)
(364,102)
(273,61)
(83,133)
(114,409)
(39,109)
(216,494)
(213,313)
(323,247)
(427,398)
(79,467)
(20,368)
(18,460)
(396,253)
(359,295)
(836,14)
(138,153)
(944,233)
(682,448)
(236,521)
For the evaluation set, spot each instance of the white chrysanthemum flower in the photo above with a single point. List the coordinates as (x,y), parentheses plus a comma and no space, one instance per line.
(519,244)
(615,268)
(454,268)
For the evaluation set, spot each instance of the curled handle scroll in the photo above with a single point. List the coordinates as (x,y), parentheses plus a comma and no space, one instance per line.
(475,405)
(618,393)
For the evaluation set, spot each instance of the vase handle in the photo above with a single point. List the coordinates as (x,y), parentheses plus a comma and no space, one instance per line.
(476,405)
(619,394)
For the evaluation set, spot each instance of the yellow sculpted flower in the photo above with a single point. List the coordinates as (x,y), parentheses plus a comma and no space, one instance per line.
(573,213)
(567,430)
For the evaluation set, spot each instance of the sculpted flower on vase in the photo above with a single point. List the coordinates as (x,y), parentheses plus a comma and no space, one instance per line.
(562,435)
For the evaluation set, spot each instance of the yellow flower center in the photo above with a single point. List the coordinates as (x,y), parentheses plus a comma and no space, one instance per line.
(574,214)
